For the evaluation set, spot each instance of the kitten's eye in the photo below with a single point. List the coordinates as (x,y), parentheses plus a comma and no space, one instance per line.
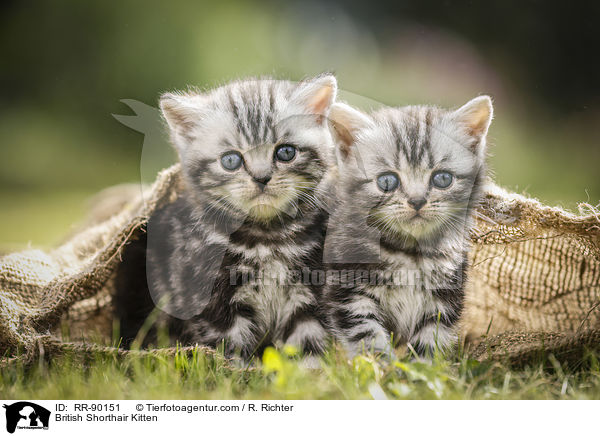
(388,182)
(441,179)
(285,152)
(231,161)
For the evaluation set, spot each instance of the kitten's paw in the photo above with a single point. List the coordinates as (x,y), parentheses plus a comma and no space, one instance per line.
(383,347)
(385,353)
(310,362)
(379,346)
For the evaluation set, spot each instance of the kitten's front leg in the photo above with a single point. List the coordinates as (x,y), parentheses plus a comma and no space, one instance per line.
(306,331)
(237,341)
(371,337)
(241,337)
(362,332)
(436,329)
(433,332)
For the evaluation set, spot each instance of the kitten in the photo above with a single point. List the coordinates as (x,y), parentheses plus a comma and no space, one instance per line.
(410,179)
(226,256)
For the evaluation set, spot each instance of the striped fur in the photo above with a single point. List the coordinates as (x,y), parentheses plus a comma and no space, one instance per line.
(380,236)
(227,227)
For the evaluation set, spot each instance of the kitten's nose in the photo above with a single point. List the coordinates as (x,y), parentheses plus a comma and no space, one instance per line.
(262,181)
(417,203)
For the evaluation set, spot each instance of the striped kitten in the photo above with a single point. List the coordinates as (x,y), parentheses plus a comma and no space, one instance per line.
(409,181)
(226,255)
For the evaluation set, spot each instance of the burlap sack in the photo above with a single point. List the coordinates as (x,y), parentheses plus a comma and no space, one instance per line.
(535,273)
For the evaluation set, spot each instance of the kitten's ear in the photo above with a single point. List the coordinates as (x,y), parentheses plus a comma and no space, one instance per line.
(476,116)
(346,123)
(181,112)
(317,94)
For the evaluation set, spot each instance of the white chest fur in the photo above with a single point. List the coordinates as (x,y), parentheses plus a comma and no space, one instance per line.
(272,293)
(409,297)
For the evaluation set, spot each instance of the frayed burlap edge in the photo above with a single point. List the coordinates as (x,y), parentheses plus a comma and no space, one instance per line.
(521,349)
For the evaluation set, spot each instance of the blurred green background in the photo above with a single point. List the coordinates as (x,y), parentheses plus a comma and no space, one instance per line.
(66,65)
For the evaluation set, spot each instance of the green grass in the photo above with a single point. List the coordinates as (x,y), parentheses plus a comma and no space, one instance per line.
(200,375)
(40,218)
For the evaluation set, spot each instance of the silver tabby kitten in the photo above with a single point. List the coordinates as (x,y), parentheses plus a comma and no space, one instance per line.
(409,181)
(255,157)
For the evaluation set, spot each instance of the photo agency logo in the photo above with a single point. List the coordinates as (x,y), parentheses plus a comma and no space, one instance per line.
(25,415)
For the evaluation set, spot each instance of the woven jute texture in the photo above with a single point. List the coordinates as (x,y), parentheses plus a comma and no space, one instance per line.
(533,288)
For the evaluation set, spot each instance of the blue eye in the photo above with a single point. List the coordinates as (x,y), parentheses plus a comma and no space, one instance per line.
(285,152)
(441,179)
(231,161)
(388,182)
